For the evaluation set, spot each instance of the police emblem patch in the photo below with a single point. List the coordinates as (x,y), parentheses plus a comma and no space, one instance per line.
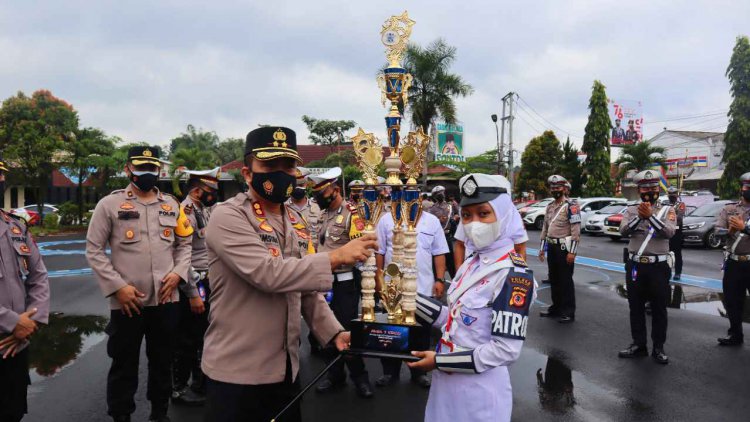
(289,190)
(129,234)
(167,232)
(268,187)
(275,252)
(15,230)
(359,224)
(166,207)
(126,206)
(518,297)
(574,209)
(24,248)
(339,219)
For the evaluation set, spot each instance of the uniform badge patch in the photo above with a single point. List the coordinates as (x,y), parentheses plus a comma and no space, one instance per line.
(672,215)
(126,206)
(275,252)
(166,207)
(268,187)
(574,209)
(167,232)
(518,297)
(129,234)
(467,319)
(289,190)
(517,259)
(339,219)
(265,226)
(299,226)
(24,248)
(302,234)
(15,230)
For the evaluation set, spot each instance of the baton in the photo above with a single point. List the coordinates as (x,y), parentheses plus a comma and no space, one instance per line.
(307,387)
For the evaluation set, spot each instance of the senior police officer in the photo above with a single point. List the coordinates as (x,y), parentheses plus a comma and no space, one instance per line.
(339,223)
(561,235)
(202,194)
(302,204)
(263,276)
(24,305)
(650,225)
(149,236)
(734,222)
(675,242)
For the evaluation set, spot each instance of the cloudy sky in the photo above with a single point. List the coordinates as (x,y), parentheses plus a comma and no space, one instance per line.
(144,70)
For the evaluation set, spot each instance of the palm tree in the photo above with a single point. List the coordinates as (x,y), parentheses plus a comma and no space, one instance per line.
(640,156)
(434,87)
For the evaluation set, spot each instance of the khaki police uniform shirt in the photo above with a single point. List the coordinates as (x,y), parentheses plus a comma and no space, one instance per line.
(567,223)
(24,284)
(262,279)
(148,240)
(337,228)
(198,216)
(637,228)
(311,213)
(739,210)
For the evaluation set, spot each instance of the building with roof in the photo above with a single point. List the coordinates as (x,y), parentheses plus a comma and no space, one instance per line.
(692,156)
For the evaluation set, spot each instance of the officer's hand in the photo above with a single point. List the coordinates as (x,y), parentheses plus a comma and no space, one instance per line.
(25,326)
(570,259)
(357,250)
(130,300)
(438,289)
(541,255)
(342,340)
(644,210)
(736,223)
(169,283)
(11,348)
(197,306)
(426,364)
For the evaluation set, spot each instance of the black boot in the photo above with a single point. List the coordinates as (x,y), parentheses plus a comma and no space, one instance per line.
(549,313)
(363,387)
(188,397)
(634,351)
(386,380)
(328,385)
(730,340)
(659,355)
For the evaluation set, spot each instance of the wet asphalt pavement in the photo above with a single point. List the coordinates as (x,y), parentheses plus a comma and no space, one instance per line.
(565,373)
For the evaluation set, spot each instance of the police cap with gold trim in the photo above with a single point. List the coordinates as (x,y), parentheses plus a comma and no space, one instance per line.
(144,155)
(210,178)
(271,142)
(323,180)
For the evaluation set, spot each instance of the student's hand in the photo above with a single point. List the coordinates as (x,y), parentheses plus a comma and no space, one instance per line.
(426,364)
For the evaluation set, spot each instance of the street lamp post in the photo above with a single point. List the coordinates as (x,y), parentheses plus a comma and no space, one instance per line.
(499,146)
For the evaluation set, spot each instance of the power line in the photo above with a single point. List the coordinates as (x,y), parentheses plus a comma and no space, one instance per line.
(712,119)
(694,116)
(530,116)
(546,120)
(528,124)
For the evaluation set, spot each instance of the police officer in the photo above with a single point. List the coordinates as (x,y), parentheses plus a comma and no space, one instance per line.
(340,223)
(445,212)
(302,204)
(263,276)
(24,305)
(650,225)
(202,194)
(149,236)
(734,222)
(485,323)
(561,235)
(675,242)
(355,191)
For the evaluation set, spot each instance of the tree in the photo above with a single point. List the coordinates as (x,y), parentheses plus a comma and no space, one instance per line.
(640,156)
(737,137)
(194,138)
(327,132)
(230,149)
(484,163)
(433,88)
(598,181)
(570,168)
(539,160)
(88,150)
(33,130)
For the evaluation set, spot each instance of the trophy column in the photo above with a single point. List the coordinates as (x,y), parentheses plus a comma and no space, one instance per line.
(368,285)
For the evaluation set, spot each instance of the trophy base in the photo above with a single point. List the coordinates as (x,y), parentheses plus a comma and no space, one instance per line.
(383,339)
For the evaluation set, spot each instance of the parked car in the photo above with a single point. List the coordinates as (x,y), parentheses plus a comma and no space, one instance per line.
(525,204)
(535,216)
(595,223)
(31,213)
(698,226)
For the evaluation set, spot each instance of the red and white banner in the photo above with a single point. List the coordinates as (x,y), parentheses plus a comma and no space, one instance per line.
(627,121)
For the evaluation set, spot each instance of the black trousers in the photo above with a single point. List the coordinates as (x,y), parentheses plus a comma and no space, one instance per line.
(345,305)
(14,380)
(735,283)
(561,281)
(651,284)
(158,325)
(189,344)
(450,265)
(675,245)
(252,403)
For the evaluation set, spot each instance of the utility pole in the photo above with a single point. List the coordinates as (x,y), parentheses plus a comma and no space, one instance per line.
(499,147)
(508,100)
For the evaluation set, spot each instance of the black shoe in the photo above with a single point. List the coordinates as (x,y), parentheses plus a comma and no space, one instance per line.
(730,341)
(188,397)
(633,351)
(566,319)
(327,386)
(549,314)
(659,356)
(422,380)
(386,380)
(676,277)
(121,418)
(363,387)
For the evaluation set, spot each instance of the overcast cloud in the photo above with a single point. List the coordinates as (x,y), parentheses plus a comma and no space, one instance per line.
(144,70)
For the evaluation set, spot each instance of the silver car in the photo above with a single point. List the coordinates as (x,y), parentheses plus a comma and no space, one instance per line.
(595,223)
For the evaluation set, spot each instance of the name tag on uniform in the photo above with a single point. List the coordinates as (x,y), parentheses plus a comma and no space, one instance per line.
(128,215)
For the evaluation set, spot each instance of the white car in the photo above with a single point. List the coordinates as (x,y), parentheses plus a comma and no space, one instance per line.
(587,206)
(595,222)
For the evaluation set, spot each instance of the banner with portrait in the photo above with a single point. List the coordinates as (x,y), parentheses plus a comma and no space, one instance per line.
(627,121)
(450,142)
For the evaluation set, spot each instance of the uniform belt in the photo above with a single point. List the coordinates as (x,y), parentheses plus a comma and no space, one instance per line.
(203,274)
(648,259)
(554,241)
(345,276)
(739,258)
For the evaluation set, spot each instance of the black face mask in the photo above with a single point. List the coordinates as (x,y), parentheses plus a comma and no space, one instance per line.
(557,194)
(208,199)
(145,181)
(649,197)
(745,194)
(672,198)
(298,194)
(355,197)
(325,201)
(440,197)
(274,186)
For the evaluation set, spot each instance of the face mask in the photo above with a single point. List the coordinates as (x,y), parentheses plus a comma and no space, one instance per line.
(745,194)
(298,194)
(355,197)
(274,186)
(557,194)
(325,201)
(649,196)
(144,180)
(208,199)
(481,234)
(439,198)
(672,199)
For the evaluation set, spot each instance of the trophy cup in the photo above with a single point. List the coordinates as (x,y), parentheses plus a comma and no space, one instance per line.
(396,333)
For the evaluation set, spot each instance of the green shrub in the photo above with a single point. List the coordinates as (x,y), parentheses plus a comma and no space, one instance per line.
(52,221)
(68,213)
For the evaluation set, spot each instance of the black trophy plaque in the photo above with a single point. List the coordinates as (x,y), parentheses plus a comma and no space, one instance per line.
(383,339)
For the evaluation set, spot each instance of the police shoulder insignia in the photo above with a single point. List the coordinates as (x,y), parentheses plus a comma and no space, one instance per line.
(189,209)
(517,259)
(15,230)
(265,226)
(258,210)
(303,234)
(126,206)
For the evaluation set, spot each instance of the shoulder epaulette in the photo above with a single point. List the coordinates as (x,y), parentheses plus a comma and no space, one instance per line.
(517,259)
(188,209)
(173,197)
(117,191)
